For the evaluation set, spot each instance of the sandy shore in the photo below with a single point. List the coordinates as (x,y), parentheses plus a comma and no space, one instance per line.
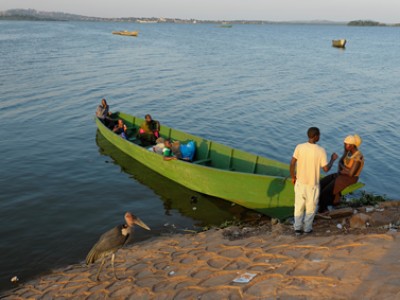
(328,264)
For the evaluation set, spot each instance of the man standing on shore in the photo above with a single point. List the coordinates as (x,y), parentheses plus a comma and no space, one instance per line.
(309,159)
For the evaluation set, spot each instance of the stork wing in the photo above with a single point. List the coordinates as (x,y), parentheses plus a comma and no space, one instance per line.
(108,243)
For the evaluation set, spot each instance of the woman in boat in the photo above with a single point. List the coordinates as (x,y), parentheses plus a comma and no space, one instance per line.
(121,129)
(103,113)
(149,131)
(350,167)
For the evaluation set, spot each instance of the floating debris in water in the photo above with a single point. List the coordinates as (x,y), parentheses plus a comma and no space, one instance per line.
(15,279)
(194,208)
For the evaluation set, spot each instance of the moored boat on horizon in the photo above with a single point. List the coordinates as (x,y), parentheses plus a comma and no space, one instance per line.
(126,33)
(339,43)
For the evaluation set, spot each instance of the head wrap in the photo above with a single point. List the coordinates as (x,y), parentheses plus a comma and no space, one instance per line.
(353,140)
(357,140)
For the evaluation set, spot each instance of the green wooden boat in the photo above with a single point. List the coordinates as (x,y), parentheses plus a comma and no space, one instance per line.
(217,170)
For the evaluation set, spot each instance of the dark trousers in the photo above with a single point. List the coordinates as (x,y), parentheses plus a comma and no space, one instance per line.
(331,187)
(326,196)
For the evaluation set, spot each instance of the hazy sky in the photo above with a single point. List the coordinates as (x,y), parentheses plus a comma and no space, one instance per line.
(387,11)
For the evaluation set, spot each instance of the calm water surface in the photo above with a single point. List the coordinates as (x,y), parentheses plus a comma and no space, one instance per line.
(257,88)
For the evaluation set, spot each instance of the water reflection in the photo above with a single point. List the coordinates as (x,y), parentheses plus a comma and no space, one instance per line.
(205,210)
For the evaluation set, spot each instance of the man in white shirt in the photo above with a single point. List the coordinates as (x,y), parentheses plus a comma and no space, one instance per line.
(309,158)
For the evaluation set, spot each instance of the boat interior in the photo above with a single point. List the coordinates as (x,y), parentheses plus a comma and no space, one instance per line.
(213,154)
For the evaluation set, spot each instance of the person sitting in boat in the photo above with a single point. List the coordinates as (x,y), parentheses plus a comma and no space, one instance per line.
(121,129)
(149,131)
(103,113)
(167,151)
(350,167)
(159,147)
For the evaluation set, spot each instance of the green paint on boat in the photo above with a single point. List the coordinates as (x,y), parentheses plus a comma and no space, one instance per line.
(220,171)
(352,188)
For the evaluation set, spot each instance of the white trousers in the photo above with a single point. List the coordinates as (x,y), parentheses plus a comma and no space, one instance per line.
(305,205)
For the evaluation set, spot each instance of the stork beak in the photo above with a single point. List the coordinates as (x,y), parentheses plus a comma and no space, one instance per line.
(139,222)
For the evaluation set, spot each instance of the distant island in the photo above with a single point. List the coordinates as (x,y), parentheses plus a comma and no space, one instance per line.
(34,15)
(369,23)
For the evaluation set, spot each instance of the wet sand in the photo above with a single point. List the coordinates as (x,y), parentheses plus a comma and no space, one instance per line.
(328,264)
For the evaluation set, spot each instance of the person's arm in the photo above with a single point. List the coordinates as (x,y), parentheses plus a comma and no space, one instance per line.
(326,168)
(170,158)
(154,127)
(341,161)
(292,169)
(354,169)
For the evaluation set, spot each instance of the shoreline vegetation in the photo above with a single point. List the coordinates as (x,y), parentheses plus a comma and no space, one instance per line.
(34,15)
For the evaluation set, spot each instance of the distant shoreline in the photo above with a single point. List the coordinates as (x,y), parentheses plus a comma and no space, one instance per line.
(33,15)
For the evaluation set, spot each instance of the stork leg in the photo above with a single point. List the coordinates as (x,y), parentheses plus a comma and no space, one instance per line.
(112,265)
(101,267)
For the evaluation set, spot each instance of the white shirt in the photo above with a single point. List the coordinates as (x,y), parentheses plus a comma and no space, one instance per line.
(310,159)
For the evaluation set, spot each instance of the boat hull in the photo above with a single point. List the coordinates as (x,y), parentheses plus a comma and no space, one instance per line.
(339,43)
(270,195)
(126,33)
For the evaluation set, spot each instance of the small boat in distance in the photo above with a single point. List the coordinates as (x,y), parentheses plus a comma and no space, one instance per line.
(127,33)
(339,43)
(225,25)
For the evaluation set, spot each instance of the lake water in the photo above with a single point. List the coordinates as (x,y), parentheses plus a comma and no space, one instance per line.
(257,88)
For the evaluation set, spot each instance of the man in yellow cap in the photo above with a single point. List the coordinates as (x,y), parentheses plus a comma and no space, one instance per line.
(307,161)
(350,167)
